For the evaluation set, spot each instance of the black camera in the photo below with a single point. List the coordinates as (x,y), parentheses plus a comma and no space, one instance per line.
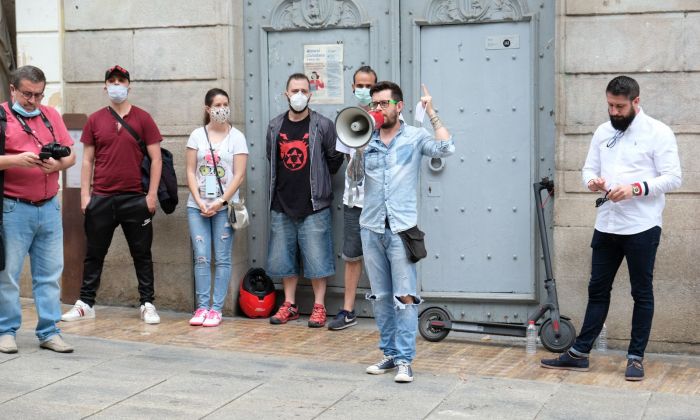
(54,150)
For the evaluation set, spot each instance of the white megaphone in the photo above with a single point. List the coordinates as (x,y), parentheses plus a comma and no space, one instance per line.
(354,126)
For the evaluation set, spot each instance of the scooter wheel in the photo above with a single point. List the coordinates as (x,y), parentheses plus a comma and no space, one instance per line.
(432,332)
(567,335)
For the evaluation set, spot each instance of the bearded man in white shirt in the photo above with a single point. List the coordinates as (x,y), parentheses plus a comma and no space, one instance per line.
(633,161)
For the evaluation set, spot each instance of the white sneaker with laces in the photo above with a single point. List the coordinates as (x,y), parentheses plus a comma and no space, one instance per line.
(149,314)
(80,310)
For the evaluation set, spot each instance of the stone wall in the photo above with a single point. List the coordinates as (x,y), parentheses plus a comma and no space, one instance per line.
(656,43)
(175,51)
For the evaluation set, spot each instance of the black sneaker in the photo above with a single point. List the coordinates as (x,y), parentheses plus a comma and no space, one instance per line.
(343,319)
(384,365)
(567,361)
(404,375)
(635,370)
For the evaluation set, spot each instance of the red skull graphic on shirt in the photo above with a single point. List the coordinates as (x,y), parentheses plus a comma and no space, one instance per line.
(294,153)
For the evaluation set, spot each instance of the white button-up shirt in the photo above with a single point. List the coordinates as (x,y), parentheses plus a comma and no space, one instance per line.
(646,154)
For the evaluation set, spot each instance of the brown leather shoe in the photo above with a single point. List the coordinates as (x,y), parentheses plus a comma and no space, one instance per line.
(56,344)
(8,344)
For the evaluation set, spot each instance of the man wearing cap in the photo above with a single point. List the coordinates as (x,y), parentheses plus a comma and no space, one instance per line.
(111,192)
(31,223)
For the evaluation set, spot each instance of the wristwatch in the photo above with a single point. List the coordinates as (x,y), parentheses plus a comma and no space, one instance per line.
(636,190)
(224,203)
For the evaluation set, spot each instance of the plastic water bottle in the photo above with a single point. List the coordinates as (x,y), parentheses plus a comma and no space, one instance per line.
(602,344)
(531,344)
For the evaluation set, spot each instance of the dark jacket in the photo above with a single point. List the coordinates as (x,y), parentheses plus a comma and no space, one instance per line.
(325,160)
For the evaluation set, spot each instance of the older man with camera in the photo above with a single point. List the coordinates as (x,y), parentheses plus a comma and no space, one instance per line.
(34,148)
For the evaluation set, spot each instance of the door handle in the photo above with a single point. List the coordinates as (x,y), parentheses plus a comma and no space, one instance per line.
(436,164)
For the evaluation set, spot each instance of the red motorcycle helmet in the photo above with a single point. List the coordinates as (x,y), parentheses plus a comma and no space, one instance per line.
(256,294)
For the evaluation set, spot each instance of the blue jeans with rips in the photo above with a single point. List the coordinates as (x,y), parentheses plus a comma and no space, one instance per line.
(205,231)
(36,231)
(391,276)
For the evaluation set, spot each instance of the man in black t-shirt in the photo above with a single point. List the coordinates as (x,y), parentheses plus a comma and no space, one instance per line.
(301,150)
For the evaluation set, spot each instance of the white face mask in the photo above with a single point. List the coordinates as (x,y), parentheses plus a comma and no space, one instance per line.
(298,102)
(117,93)
(220,114)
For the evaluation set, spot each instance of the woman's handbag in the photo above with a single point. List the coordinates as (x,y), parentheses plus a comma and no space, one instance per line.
(240,215)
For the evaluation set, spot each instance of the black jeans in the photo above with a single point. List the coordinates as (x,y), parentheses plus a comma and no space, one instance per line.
(102,216)
(608,251)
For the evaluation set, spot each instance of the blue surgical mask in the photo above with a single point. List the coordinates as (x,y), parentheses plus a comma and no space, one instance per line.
(362,95)
(23,112)
(117,93)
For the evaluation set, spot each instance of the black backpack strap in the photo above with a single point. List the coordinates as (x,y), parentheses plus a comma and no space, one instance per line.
(128,128)
(3,127)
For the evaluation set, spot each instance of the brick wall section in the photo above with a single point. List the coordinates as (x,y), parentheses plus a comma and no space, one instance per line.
(656,43)
(175,52)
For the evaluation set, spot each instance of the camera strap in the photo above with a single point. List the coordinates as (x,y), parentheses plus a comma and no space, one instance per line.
(128,128)
(28,130)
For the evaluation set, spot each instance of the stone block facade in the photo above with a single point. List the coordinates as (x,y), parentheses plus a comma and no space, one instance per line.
(175,52)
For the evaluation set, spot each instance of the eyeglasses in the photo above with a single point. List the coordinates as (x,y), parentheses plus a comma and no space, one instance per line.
(382,104)
(30,95)
(601,200)
(613,141)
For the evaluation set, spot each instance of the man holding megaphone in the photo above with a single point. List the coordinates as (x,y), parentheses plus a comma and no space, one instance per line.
(391,240)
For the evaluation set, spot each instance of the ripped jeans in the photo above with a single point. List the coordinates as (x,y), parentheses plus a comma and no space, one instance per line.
(392,276)
(205,231)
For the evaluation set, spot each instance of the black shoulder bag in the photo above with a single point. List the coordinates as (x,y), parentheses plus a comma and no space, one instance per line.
(414,242)
(167,188)
(3,125)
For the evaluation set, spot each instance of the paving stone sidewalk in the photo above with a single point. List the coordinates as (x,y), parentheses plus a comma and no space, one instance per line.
(141,377)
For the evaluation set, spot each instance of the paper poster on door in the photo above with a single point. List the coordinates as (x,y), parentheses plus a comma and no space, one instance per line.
(323,64)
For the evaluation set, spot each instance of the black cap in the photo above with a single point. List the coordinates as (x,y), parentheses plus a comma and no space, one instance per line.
(118,70)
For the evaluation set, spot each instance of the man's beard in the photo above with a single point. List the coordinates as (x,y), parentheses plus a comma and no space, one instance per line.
(622,122)
(390,120)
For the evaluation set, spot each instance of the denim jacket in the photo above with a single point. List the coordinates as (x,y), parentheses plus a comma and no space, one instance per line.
(325,160)
(391,177)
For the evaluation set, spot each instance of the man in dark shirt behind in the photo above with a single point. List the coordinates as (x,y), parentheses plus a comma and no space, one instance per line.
(302,155)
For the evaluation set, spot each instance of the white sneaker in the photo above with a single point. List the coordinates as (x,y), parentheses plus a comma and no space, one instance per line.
(80,310)
(149,314)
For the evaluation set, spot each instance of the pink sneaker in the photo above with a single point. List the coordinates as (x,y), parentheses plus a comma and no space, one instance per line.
(199,316)
(213,319)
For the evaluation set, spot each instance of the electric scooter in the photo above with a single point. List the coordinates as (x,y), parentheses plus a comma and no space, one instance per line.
(557,333)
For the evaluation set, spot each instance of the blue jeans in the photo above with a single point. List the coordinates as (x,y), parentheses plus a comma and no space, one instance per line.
(608,251)
(36,231)
(312,235)
(204,231)
(392,275)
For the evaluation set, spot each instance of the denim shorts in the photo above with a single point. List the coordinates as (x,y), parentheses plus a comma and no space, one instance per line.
(311,235)
(352,243)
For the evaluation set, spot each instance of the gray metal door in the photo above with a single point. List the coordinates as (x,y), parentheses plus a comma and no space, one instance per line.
(478,203)
(490,66)
(486,63)
(277,33)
